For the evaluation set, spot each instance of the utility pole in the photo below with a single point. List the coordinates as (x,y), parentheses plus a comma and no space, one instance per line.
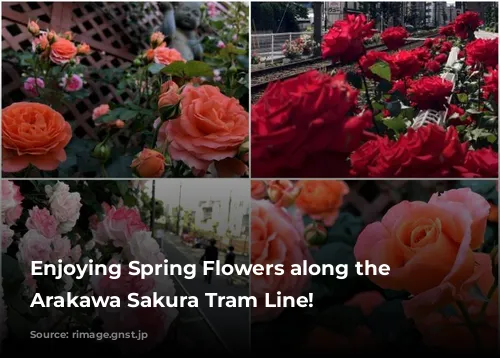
(179,211)
(317,21)
(153,208)
(229,207)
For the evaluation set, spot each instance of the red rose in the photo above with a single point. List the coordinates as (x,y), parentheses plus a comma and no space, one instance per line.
(483,52)
(370,59)
(441,58)
(490,87)
(430,92)
(344,41)
(433,66)
(394,37)
(401,86)
(446,47)
(447,30)
(298,118)
(466,24)
(422,54)
(406,64)
(482,163)
(454,116)
(428,43)
(427,152)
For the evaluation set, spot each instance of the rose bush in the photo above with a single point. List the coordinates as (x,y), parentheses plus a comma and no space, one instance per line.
(440,245)
(384,108)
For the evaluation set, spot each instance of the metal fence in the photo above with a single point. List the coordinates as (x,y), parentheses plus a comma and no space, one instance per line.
(269,46)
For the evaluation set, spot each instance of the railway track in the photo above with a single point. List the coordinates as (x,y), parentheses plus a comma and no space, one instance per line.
(261,78)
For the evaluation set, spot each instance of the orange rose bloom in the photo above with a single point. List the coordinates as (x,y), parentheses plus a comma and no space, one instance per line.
(282,192)
(169,94)
(83,49)
(166,56)
(321,199)
(33,133)
(149,164)
(210,127)
(259,189)
(62,51)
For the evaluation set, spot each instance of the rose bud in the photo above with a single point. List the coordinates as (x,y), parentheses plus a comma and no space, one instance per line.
(83,49)
(52,37)
(315,234)
(149,164)
(157,39)
(119,123)
(168,103)
(33,28)
(282,192)
(102,151)
(68,35)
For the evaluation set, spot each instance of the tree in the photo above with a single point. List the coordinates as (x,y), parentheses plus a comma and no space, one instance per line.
(277,16)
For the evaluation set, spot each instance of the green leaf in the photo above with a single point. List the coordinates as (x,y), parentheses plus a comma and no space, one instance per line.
(354,79)
(382,70)
(463,97)
(197,69)
(337,253)
(120,167)
(346,229)
(397,124)
(384,86)
(175,69)
(394,108)
(155,68)
(127,115)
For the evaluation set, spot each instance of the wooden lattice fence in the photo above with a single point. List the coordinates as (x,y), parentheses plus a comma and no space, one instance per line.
(116,32)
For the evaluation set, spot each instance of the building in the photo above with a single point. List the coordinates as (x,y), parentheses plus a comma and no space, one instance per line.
(437,14)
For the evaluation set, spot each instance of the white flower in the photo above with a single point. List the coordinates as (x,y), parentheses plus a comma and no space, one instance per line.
(65,206)
(143,247)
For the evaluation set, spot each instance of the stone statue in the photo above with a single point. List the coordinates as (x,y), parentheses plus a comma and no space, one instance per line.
(180,24)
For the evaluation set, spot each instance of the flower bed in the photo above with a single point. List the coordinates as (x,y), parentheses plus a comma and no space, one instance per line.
(326,132)
(441,247)
(141,136)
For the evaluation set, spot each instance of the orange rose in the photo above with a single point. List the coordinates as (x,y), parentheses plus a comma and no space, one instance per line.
(149,164)
(321,199)
(83,49)
(493,216)
(169,94)
(166,56)
(211,127)
(426,245)
(41,43)
(62,51)
(150,54)
(259,189)
(282,192)
(156,39)
(33,133)
(68,35)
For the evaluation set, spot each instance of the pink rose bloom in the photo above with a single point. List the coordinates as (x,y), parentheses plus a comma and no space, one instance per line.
(100,111)
(276,239)
(221,44)
(125,284)
(33,246)
(72,84)
(31,85)
(65,207)
(76,253)
(42,221)
(212,9)
(144,248)
(11,202)
(7,235)
(118,226)
(61,249)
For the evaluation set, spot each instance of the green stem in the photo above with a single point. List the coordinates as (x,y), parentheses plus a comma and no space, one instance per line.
(491,291)
(470,323)
(103,170)
(368,99)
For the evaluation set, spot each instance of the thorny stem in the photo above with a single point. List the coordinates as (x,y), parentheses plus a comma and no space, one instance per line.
(368,99)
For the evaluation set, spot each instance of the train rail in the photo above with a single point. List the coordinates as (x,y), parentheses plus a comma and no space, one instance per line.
(261,78)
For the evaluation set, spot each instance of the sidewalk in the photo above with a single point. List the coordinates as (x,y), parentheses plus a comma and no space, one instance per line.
(232,324)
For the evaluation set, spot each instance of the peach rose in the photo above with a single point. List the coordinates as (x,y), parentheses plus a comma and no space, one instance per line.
(451,332)
(83,49)
(169,94)
(166,56)
(156,39)
(211,127)
(276,239)
(100,111)
(259,189)
(321,199)
(149,164)
(62,51)
(282,192)
(33,28)
(426,245)
(41,43)
(33,133)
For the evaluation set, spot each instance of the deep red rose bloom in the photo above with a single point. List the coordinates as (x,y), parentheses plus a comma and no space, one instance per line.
(344,41)
(371,58)
(482,163)
(445,47)
(454,116)
(490,87)
(430,92)
(394,37)
(308,115)
(482,51)
(466,24)
(422,54)
(406,64)
(401,86)
(433,66)
(447,30)
(441,58)
(428,43)
(427,152)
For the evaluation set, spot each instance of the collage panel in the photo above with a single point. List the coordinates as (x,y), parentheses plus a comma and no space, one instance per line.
(439,239)
(125,90)
(112,233)
(374,90)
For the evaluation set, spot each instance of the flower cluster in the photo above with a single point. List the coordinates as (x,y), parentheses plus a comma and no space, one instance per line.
(293,49)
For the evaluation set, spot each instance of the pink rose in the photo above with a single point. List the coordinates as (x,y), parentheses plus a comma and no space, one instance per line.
(31,85)
(11,202)
(100,111)
(34,247)
(76,253)
(72,84)
(143,247)
(118,226)
(61,249)
(7,235)
(276,239)
(42,221)
(65,206)
(221,44)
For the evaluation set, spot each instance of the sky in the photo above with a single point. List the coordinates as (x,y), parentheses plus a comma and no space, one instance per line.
(195,190)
